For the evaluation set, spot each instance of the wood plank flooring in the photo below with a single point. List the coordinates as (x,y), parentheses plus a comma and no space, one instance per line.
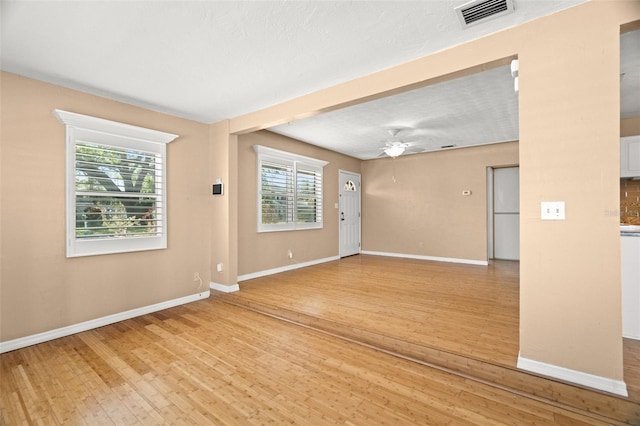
(462,318)
(213,363)
(632,368)
(463,309)
(217,362)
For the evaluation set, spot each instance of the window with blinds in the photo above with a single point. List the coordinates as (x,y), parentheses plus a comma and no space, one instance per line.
(116,192)
(289,191)
(277,192)
(308,195)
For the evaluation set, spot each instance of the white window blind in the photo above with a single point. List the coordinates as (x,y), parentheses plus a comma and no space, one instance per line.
(277,192)
(118,192)
(289,191)
(116,186)
(308,194)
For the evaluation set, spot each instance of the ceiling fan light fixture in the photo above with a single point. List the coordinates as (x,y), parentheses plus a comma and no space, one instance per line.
(394,150)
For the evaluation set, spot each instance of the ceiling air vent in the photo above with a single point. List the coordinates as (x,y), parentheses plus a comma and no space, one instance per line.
(478,11)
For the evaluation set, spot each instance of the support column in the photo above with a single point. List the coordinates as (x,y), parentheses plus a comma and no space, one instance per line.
(223,165)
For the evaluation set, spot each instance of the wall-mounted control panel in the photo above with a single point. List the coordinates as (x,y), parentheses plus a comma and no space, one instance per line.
(218,188)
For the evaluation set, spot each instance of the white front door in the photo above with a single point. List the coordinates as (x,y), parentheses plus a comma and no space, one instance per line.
(349,210)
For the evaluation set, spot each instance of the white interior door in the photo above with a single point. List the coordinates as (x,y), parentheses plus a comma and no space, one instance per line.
(349,210)
(506,213)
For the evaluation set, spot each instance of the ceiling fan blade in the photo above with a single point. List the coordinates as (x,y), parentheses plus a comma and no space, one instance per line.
(414,150)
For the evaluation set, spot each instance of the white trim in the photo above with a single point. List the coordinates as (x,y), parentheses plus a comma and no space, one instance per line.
(83,128)
(617,387)
(293,163)
(286,268)
(490,231)
(434,258)
(224,288)
(34,339)
(278,155)
(112,127)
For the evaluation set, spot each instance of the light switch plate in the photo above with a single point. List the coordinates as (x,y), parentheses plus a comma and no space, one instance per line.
(552,210)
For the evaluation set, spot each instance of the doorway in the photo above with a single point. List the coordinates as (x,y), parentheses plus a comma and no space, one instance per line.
(349,208)
(503,185)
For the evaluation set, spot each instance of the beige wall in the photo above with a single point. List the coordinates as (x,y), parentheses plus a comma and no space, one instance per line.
(267,250)
(41,289)
(224,213)
(570,313)
(414,204)
(570,291)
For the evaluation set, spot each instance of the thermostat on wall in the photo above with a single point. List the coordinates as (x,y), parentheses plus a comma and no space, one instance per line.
(218,188)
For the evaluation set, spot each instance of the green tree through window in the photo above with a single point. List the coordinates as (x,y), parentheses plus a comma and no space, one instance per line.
(289,191)
(277,193)
(116,191)
(308,191)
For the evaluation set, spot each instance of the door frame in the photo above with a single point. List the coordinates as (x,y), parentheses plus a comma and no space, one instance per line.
(490,209)
(342,172)
(490,232)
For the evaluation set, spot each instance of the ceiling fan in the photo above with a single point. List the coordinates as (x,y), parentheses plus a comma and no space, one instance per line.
(395,146)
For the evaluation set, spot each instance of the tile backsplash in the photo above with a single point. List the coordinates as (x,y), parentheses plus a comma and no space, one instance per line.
(630,201)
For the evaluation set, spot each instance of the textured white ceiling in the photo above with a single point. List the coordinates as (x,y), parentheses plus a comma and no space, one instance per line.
(474,110)
(211,60)
(477,109)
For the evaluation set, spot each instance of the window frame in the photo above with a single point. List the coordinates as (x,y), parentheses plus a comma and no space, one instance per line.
(295,161)
(86,129)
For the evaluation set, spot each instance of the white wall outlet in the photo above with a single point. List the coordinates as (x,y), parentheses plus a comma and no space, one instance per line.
(196,276)
(219,267)
(290,254)
(552,210)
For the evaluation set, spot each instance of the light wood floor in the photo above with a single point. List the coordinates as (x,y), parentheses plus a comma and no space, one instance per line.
(463,309)
(463,318)
(216,362)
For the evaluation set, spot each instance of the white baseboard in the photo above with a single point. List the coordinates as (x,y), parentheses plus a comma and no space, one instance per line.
(286,268)
(224,288)
(617,387)
(34,339)
(434,258)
